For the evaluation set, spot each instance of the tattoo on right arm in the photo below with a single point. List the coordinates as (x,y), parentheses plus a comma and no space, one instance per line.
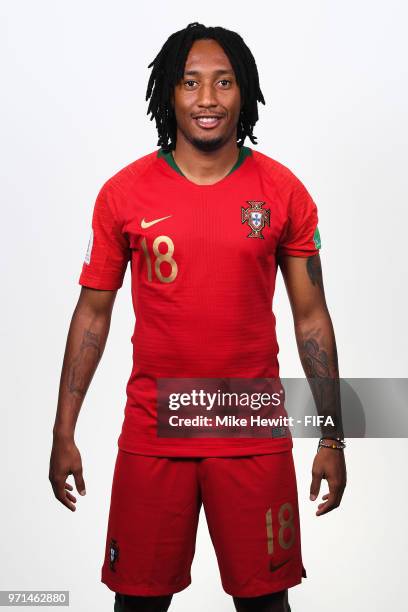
(84,364)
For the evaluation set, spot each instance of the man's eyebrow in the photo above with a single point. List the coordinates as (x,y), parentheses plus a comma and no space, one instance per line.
(216,72)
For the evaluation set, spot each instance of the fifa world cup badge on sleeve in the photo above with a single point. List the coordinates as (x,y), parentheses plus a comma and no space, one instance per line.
(89,249)
(316,238)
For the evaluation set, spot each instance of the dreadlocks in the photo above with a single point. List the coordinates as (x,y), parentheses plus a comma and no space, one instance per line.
(168,69)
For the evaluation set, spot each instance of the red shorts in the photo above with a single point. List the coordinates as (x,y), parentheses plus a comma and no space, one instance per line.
(251,507)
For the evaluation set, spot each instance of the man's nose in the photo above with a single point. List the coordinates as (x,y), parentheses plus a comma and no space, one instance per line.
(207,96)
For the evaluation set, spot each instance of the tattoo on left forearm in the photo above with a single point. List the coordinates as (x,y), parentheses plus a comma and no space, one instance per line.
(321,369)
(314,359)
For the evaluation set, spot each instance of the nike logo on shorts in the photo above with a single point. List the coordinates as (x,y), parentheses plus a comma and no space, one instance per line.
(146,224)
(273,568)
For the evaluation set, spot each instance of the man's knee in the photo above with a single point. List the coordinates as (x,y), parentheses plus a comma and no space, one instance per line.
(272,602)
(138,603)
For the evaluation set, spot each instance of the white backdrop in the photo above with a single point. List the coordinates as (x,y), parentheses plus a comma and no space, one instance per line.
(334,77)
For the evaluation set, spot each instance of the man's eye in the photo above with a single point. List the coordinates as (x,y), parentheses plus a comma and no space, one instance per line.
(189,82)
(225,82)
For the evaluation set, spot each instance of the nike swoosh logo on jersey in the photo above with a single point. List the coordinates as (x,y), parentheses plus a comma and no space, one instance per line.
(146,224)
(273,568)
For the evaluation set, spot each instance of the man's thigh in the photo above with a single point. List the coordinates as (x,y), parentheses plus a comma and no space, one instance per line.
(136,603)
(152,526)
(273,602)
(251,506)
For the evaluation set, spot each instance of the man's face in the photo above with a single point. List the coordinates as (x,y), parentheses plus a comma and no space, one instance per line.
(207,100)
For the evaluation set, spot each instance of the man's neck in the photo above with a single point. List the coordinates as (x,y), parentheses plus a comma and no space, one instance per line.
(201,167)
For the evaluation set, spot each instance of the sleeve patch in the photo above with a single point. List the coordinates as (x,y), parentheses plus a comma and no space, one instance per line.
(316,238)
(89,249)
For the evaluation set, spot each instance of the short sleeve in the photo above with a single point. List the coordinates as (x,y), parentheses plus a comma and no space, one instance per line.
(108,250)
(300,236)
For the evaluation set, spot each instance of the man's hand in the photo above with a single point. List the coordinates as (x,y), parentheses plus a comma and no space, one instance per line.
(329,464)
(65,460)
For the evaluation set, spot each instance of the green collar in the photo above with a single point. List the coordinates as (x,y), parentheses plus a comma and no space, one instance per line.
(168,156)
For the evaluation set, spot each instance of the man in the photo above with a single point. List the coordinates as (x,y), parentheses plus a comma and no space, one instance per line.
(204,221)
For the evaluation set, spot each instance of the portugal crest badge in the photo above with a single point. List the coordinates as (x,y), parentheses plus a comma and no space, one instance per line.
(113,554)
(256,217)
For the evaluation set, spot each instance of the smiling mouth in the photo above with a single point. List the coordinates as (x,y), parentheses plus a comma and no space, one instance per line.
(208,122)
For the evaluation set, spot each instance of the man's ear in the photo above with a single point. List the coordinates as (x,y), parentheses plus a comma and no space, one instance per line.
(172,99)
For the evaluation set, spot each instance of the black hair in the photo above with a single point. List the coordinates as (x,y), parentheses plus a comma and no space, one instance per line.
(168,69)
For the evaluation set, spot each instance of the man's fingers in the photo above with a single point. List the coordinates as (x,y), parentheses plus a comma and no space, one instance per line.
(66,502)
(66,498)
(333,499)
(332,502)
(79,482)
(70,497)
(60,492)
(68,486)
(315,485)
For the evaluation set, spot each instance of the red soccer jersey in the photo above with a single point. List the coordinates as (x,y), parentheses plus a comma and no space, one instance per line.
(203,265)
